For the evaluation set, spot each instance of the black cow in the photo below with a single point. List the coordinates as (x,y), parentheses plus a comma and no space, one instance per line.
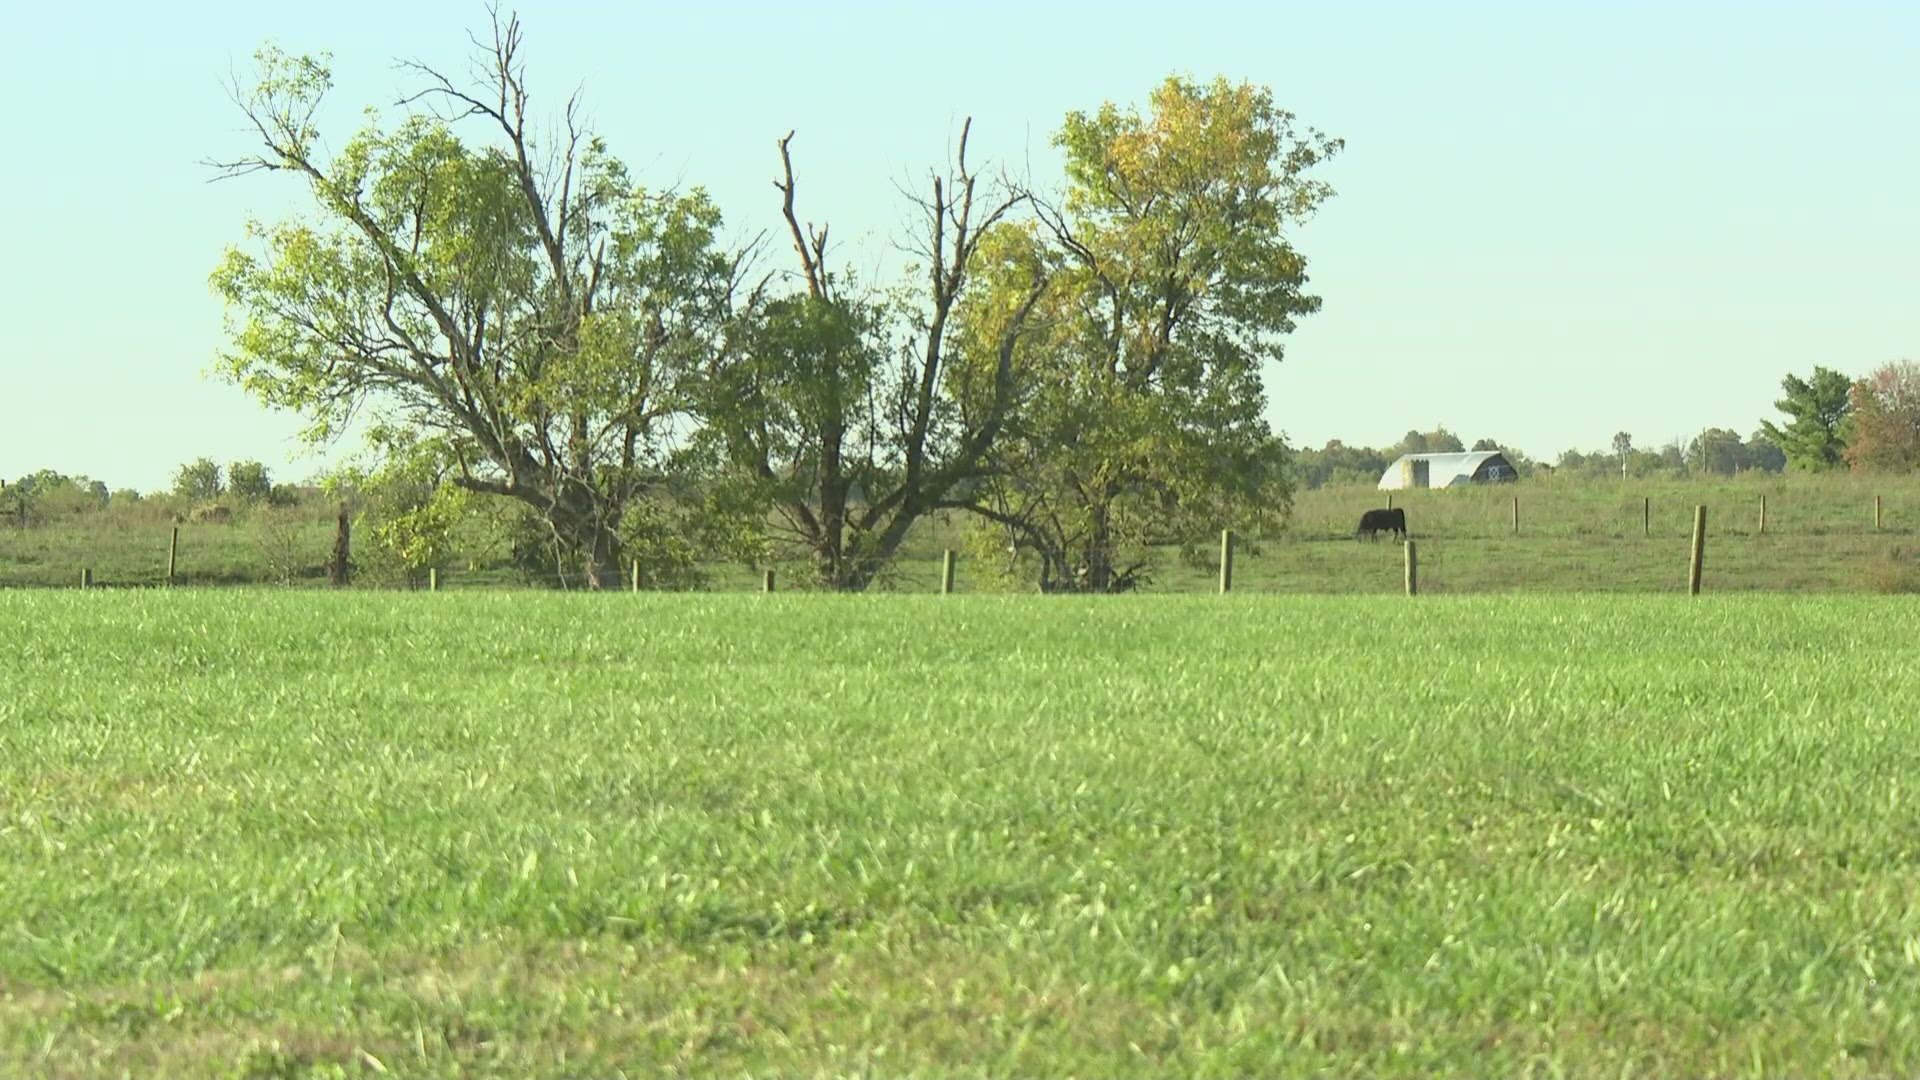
(1375,522)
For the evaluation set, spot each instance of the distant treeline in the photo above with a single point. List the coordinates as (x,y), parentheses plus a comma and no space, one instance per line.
(1714,452)
(203,484)
(1870,425)
(37,496)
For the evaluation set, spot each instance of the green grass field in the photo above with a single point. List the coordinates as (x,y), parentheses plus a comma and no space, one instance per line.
(301,833)
(1574,536)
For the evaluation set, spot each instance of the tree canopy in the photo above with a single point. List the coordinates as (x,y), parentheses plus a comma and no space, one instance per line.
(1883,422)
(521,310)
(518,318)
(843,411)
(1174,281)
(1813,437)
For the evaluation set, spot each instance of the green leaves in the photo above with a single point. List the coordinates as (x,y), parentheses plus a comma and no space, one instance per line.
(529,303)
(572,338)
(852,415)
(1179,217)
(1814,437)
(198,480)
(1143,420)
(284,97)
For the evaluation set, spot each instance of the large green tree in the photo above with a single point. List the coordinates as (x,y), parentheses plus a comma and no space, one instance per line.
(839,410)
(520,307)
(1813,438)
(1141,422)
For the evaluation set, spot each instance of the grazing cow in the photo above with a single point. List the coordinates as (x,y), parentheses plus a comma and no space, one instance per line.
(1375,522)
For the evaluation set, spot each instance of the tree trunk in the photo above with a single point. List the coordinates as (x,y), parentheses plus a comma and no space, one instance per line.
(1096,566)
(589,539)
(1096,563)
(602,561)
(339,568)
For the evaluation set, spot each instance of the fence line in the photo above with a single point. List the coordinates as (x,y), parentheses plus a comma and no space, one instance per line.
(1469,513)
(1449,517)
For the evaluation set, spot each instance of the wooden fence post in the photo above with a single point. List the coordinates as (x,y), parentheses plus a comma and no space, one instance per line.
(86,578)
(767,582)
(173,555)
(1699,550)
(1876,513)
(946,573)
(1646,515)
(1389,500)
(1413,570)
(1516,515)
(433,579)
(636,575)
(1226,560)
(1763,515)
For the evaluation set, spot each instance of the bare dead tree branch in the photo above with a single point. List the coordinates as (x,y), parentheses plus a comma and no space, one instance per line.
(810,245)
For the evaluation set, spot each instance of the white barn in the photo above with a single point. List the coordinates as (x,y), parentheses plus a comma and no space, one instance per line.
(1447,470)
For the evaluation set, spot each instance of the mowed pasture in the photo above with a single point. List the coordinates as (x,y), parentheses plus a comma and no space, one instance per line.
(290,833)
(1574,536)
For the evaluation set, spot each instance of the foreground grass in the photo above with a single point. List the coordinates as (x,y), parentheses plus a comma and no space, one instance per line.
(281,834)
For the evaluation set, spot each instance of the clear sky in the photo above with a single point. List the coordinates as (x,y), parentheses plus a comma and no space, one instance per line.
(1555,221)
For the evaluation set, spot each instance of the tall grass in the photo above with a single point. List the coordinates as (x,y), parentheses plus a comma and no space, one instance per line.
(507,834)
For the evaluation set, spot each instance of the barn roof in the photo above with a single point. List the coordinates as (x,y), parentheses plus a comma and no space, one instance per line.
(1446,470)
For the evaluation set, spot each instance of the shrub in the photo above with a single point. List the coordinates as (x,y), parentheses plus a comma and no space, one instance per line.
(249,482)
(1896,570)
(198,480)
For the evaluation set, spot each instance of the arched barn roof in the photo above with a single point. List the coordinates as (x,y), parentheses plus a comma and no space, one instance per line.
(1451,470)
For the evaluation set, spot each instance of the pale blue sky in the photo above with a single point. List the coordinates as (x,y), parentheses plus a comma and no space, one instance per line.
(1554,221)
